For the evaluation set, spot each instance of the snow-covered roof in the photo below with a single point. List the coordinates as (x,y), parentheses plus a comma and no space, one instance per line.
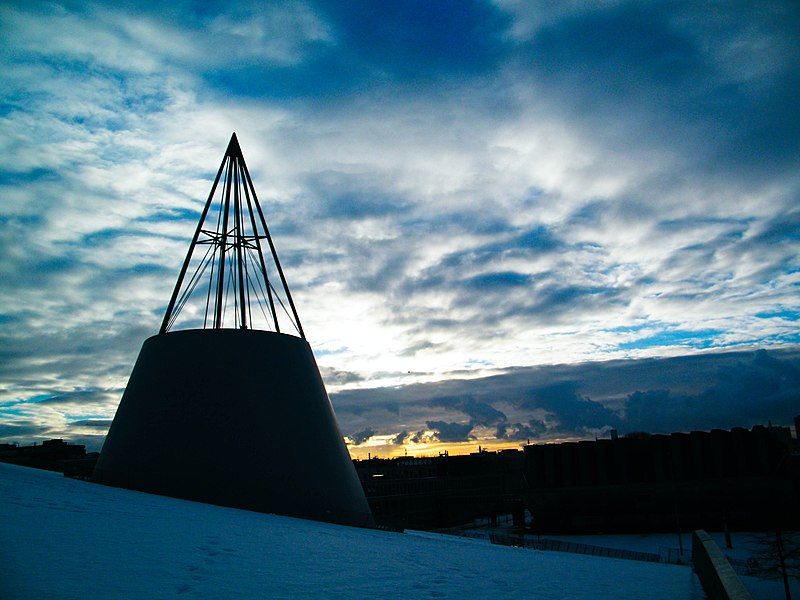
(72,539)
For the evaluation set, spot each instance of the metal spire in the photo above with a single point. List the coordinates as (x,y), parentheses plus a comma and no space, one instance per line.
(233,268)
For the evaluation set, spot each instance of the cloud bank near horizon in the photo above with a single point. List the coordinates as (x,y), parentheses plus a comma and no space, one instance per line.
(579,401)
(528,404)
(454,188)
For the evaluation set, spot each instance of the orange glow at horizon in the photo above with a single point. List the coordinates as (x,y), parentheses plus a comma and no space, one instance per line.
(418,450)
(430,449)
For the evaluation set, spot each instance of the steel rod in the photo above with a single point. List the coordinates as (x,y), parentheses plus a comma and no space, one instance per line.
(261,259)
(274,252)
(238,241)
(226,201)
(185,266)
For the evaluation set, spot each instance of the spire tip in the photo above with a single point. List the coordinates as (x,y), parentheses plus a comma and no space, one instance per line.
(233,146)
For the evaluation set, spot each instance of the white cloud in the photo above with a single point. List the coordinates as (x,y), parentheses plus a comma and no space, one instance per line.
(368,196)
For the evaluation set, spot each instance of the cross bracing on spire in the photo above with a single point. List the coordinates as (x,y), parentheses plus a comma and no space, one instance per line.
(236,273)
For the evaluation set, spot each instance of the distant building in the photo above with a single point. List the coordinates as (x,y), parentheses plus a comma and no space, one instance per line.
(443,491)
(52,455)
(644,482)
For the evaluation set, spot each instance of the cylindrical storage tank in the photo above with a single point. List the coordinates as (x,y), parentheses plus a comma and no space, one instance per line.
(237,418)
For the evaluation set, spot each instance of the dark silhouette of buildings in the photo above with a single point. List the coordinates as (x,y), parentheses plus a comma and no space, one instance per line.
(52,455)
(443,491)
(737,479)
(643,482)
(745,479)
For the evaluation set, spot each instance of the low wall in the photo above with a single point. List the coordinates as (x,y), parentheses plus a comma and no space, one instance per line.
(714,571)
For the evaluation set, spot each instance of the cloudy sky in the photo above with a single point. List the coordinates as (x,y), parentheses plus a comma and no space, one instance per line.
(500,220)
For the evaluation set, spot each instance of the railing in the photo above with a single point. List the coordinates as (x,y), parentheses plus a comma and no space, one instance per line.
(673,556)
(665,555)
(521,541)
(745,566)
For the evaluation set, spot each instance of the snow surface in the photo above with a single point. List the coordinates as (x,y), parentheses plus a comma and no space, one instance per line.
(72,539)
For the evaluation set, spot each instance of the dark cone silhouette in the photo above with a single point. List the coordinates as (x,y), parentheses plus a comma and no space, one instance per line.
(234,416)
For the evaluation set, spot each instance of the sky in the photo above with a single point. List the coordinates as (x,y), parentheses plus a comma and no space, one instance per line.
(500,221)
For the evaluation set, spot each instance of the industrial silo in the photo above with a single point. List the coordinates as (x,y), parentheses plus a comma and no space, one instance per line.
(233,410)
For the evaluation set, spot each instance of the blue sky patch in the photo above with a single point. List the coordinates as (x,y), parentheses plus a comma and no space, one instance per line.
(701,338)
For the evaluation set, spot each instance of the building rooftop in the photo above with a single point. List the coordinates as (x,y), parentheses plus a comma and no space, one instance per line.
(71,538)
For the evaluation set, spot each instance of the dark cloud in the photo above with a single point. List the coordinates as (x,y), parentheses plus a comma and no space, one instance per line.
(480,413)
(81,397)
(554,302)
(400,438)
(495,300)
(413,41)
(418,347)
(683,224)
(451,432)
(701,391)
(449,273)
(408,44)
(41,360)
(22,429)
(392,407)
(498,281)
(673,83)
(349,198)
(758,390)
(521,431)
(782,229)
(362,436)
(524,244)
(94,423)
(571,411)
(333,376)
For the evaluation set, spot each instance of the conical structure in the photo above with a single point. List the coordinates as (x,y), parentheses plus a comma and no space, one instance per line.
(231,282)
(225,412)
